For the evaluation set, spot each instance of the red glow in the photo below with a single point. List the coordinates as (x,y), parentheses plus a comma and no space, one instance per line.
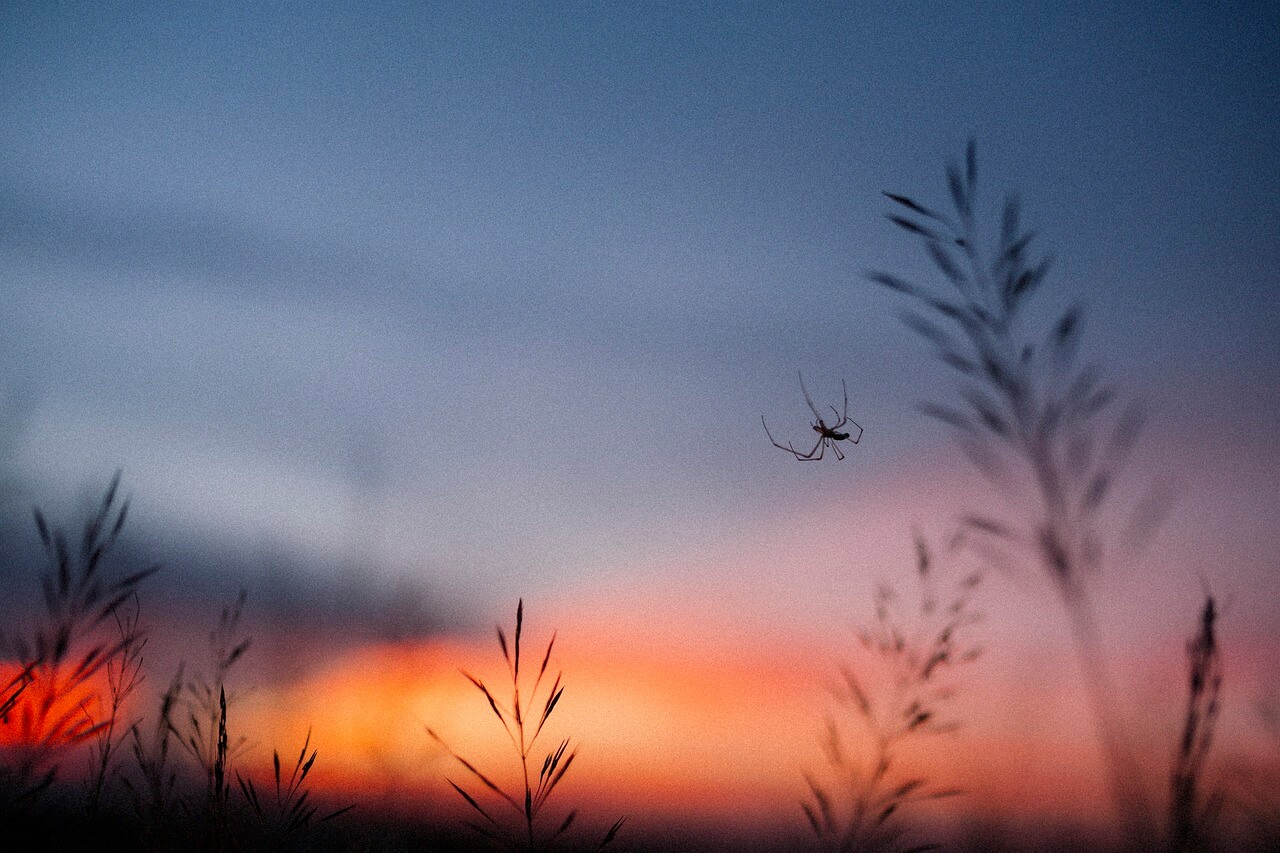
(51,707)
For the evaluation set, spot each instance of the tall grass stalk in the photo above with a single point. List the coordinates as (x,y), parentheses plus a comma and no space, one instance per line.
(863,799)
(62,658)
(1029,414)
(523,719)
(285,817)
(12,691)
(124,675)
(204,727)
(152,791)
(203,733)
(1190,819)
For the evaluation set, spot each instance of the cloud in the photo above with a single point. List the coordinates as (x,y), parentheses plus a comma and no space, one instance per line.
(294,604)
(182,243)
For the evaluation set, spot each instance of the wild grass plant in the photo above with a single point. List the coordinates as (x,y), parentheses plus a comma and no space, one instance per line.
(1034,419)
(202,732)
(1192,813)
(194,714)
(284,815)
(153,780)
(897,700)
(523,719)
(123,676)
(15,790)
(12,691)
(77,668)
(52,703)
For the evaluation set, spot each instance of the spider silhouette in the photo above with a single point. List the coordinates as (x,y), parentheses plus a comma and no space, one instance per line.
(829,435)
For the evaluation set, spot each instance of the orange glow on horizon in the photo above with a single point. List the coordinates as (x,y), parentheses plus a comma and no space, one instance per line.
(683,739)
(685,710)
(722,733)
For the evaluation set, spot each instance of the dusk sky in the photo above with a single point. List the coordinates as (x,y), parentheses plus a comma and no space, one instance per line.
(474,302)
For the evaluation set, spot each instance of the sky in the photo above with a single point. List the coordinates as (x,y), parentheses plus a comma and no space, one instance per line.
(406,313)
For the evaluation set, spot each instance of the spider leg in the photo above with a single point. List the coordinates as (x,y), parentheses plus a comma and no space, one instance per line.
(809,399)
(790,448)
(842,417)
(773,440)
(813,455)
(809,457)
(835,445)
(855,439)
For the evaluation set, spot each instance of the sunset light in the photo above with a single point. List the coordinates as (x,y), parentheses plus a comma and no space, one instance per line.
(675,427)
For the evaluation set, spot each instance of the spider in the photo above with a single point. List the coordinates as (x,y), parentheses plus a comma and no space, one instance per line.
(829,435)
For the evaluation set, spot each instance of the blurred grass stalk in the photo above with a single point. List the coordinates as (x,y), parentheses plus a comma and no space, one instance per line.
(1028,406)
(1190,821)
(63,657)
(863,805)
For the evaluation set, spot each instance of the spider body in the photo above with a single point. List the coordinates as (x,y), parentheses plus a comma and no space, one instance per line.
(822,429)
(829,435)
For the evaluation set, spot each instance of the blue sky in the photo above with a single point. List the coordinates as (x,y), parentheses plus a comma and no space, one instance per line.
(496,295)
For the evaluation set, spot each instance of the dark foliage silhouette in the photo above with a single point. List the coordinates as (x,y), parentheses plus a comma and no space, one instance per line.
(522,719)
(864,799)
(1191,814)
(1031,416)
(53,703)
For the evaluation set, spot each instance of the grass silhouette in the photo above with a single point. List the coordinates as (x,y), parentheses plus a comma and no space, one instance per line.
(12,692)
(864,797)
(285,817)
(78,667)
(203,732)
(1029,414)
(124,675)
(48,704)
(1191,820)
(152,785)
(522,719)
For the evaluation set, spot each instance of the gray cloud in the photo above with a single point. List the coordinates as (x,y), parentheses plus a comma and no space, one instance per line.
(215,247)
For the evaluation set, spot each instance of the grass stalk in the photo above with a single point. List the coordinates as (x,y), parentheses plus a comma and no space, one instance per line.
(523,719)
(286,817)
(124,675)
(153,792)
(203,731)
(863,799)
(1190,820)
(62,658)
(1028,405)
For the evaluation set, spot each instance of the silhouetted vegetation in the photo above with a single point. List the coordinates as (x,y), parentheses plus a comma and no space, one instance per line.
(523,719)
(78,667)
(1030,414)
(863,800)
(51,702)
(1191,814)
(124,675)
(1038,421)
(285,814)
